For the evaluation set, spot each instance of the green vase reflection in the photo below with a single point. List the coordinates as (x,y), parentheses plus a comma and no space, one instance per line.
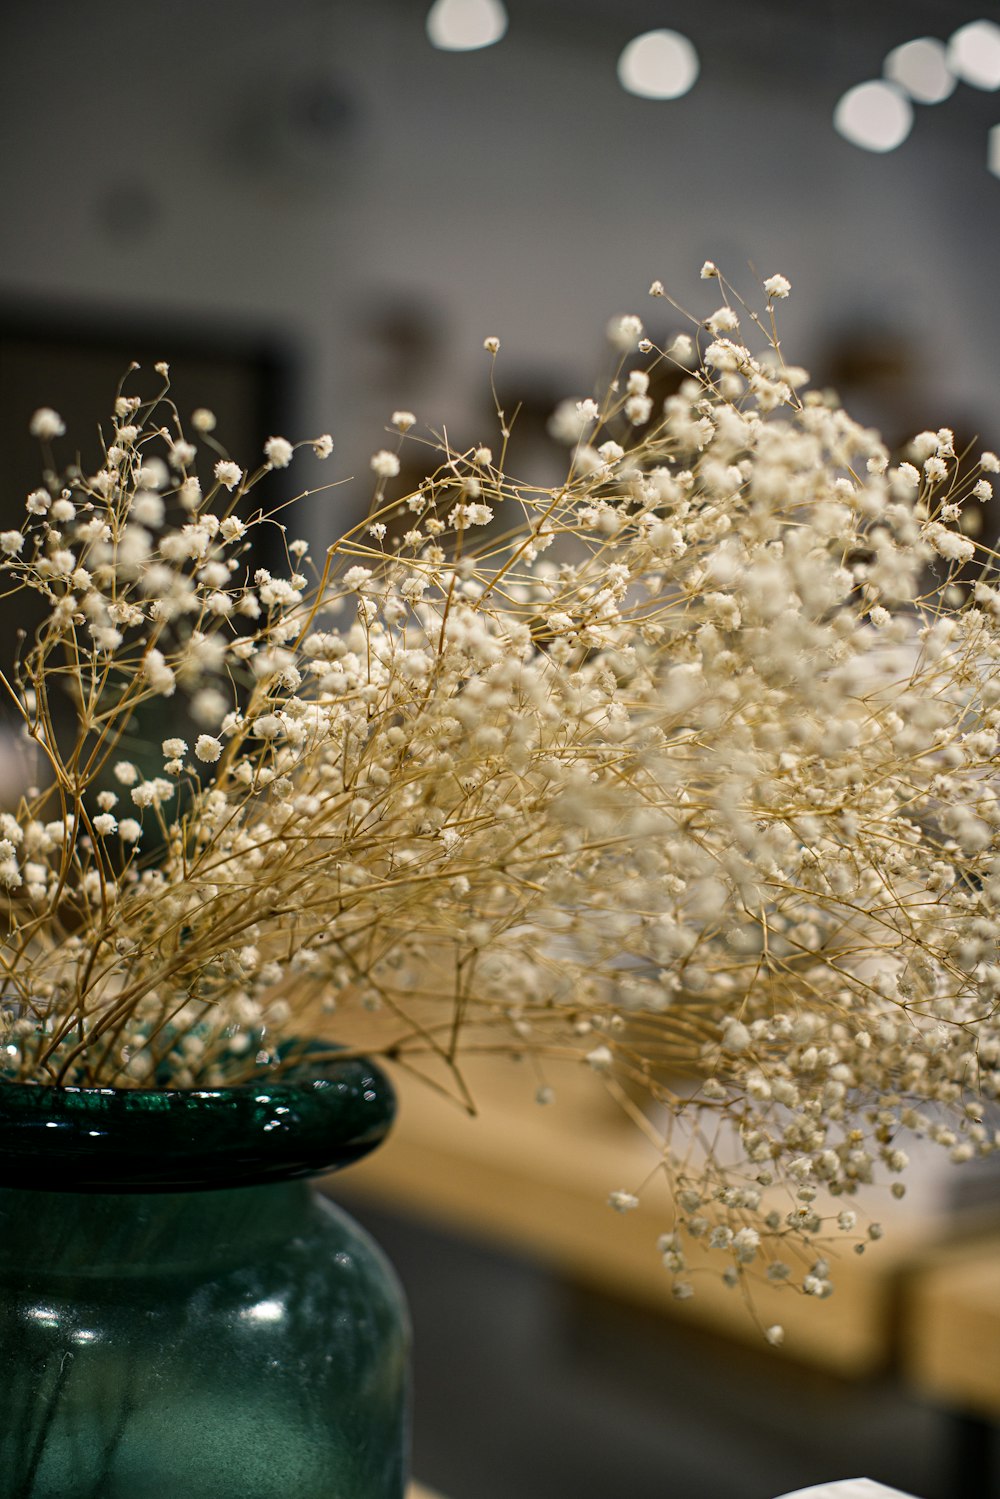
(181,1317)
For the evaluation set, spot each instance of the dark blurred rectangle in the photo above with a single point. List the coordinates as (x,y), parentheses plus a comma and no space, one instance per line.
(74,361)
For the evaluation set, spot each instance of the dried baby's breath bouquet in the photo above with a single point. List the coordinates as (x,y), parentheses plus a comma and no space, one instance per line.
(684,764)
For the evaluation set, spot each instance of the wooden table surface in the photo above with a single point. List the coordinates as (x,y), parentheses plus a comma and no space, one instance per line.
(537,1179)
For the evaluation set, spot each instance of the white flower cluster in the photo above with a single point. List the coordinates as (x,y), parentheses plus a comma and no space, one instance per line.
(687,762)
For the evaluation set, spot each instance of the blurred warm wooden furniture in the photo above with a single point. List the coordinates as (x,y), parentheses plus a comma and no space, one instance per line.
(950,1328)
(537,1178)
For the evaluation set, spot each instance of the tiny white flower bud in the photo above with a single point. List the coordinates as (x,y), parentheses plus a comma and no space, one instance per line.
(385,464)
(777,286)
(228,474)
(278,452)
(623,1202)
(600,1058)
(46,424)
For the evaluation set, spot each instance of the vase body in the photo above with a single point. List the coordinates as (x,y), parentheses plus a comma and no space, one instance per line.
(210,1342)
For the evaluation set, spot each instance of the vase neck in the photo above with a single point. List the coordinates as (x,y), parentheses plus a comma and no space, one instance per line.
(93,1234)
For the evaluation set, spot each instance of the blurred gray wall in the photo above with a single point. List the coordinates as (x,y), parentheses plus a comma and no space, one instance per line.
(320,171)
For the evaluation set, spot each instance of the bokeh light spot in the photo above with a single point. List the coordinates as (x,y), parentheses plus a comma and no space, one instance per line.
(658,65)
(874,116)
(466,25)
(974,54)
(921,68)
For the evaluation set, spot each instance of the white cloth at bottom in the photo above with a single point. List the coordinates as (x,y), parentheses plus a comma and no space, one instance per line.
(848,1488)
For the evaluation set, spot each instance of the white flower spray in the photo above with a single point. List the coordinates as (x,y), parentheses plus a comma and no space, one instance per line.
(685,766)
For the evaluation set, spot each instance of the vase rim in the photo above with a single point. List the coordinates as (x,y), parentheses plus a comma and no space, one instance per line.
(318,1114)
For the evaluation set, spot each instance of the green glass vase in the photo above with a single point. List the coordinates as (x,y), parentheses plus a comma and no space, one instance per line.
(181,1316)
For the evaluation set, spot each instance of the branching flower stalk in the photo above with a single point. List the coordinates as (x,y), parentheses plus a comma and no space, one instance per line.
(684,766)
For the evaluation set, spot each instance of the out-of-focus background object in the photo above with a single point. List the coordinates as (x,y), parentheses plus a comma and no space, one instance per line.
(316,212)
